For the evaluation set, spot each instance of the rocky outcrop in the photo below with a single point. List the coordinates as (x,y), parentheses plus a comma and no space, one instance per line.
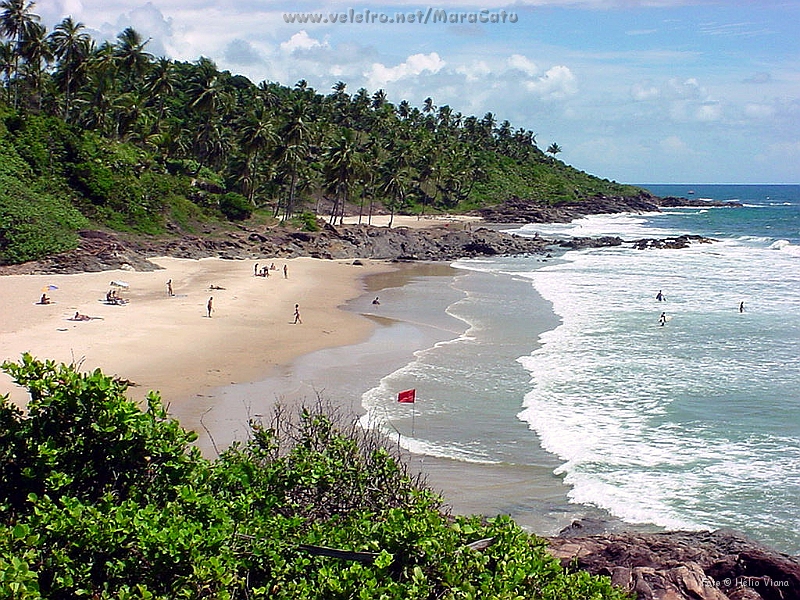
(682,565)
(99,251)
(518,210)
(673,243)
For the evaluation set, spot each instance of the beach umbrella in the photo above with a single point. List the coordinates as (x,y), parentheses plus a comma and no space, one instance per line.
(49,288)
(121,284)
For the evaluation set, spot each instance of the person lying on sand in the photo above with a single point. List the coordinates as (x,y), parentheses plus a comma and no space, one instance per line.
(81,317)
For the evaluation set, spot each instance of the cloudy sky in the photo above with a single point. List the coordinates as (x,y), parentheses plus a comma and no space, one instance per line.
(654,91)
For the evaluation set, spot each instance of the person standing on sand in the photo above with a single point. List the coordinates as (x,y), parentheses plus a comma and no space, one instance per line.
(297,318)
(255,270)
(210,306)
(286,271)
(169,288)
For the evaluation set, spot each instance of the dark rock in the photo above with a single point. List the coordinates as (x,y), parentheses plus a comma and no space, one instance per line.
(577,243)
(696,565)
(682,241)
(673,202)
(518,210)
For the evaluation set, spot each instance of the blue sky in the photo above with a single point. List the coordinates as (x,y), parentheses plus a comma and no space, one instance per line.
(659,91)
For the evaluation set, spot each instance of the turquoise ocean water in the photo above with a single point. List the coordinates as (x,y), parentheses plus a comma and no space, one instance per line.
(695,424)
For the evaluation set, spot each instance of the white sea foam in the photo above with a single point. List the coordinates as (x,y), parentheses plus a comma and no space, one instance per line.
(693,424)
(666,424)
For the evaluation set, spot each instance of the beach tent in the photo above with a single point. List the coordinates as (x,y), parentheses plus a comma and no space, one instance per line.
(121,284)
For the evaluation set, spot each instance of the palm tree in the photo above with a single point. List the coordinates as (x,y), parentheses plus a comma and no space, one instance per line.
(378,100)
(159,85)
(368,169)
(403,109)
(292,152)
(7,57)
(341,169)
(488,123)
(71,47)
(16,21)
(257,135)
(553,149)
(131,58)
(206,96)
(38,55)
(395,184)
(268,95)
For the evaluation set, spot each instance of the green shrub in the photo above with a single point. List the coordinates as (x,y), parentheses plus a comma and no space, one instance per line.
(235,206)
(110,501)
(34,226)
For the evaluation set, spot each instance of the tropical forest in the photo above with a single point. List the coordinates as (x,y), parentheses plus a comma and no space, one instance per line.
(102,134)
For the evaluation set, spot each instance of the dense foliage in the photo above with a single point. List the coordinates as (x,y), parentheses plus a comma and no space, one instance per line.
(134,142)
(100,499)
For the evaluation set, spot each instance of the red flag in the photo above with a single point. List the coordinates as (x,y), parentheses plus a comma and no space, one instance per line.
(407,396)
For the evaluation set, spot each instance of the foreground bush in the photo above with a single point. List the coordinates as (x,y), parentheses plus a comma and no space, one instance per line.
(100,499)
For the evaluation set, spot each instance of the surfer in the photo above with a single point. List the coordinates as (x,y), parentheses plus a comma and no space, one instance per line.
(741,307)
(662,320)
(659,296)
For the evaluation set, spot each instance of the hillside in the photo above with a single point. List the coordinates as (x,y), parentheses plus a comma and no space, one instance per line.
(106,136)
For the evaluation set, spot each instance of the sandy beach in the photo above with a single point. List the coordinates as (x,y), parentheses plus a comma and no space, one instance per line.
(215,373)
(169,343)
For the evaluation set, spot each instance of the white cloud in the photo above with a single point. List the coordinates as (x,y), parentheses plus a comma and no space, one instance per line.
(524,64)
(644,91)
(557,82)
(708,111)
(475,71)
(300,41)
(688,88)
(416,64)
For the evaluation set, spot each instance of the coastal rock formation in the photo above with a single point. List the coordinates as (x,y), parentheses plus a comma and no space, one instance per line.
(676,243)
(99,251)
(518,210)
(682,565)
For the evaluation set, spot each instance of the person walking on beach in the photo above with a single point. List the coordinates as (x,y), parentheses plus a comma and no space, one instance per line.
(297,318)
(169,288)
(210,306)
(659,296)
(286,271)
(662,320)
(255,270)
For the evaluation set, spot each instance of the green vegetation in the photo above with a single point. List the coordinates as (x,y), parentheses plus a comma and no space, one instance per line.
(100,499)
(127,139)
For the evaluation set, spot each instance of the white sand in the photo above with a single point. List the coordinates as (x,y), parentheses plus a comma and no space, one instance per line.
(169,344)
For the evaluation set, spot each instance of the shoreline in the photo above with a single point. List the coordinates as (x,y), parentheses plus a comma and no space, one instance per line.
(215,374)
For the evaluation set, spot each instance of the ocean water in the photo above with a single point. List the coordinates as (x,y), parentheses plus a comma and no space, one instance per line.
(694,424)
